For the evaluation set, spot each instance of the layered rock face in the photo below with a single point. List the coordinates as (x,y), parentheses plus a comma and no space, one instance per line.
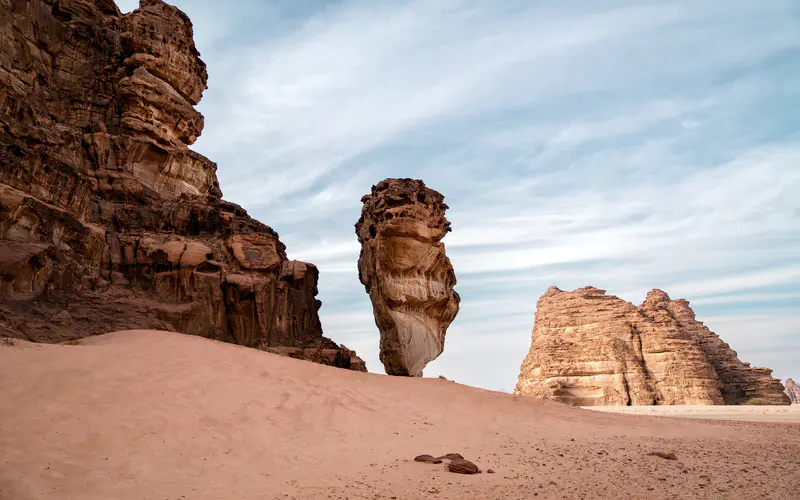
(793,391)
(108,221)
(589,348)
(406,273)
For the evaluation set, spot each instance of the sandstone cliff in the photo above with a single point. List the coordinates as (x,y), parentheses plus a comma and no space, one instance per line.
(589,348)
(108,220)
(793,391)
(406,273)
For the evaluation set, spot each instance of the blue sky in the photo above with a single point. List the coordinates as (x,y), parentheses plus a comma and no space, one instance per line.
(620,144)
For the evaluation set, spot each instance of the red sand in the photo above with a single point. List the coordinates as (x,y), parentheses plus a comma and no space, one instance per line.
(151,415)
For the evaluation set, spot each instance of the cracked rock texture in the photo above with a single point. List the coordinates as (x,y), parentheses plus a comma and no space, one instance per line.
(793,391)
(406,273)
(589,348)
(108,221)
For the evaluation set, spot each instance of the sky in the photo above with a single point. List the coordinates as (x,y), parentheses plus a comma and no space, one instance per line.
(626,145)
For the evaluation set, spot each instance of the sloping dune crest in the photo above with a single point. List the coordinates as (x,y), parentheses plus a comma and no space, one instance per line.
(154,415)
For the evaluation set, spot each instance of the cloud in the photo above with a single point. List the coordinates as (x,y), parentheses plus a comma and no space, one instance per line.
(624,144)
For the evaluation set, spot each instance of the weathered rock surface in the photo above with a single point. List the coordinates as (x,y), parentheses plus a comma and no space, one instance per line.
(589,348)
(793,391)
(108,221)
(406,273)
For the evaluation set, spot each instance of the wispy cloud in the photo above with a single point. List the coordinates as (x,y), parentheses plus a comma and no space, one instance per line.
(623,144)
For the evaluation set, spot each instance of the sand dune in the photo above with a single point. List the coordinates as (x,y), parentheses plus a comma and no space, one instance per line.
(151,415)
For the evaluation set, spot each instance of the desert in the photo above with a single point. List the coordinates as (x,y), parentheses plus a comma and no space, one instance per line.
(143,414)
(158,340)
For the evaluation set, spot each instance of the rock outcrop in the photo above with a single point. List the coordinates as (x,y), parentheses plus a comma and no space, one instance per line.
(589,348)
(108,221)
(793,391)
(406,273)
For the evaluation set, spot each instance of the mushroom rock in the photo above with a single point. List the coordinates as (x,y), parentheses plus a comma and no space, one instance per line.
(589,348)
(406,273)
(108,221)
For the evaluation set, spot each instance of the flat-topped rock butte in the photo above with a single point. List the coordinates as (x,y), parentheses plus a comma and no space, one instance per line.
(108,220)
(589,348)
(406,272)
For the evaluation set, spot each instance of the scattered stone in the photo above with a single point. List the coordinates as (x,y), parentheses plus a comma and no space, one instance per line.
(490,471)
(663,454)
(460,466)
(406,272)
(428,459)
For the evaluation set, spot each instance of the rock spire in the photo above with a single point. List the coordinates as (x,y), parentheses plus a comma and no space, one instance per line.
(406,273)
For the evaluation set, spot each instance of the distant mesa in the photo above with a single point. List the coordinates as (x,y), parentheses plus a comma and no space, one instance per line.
(406,273)
(108,221)
(591,349)
(793,391)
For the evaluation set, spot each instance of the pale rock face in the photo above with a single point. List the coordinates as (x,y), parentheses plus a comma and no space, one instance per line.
(589,348)
(406,273)
(793,391)
(108,221)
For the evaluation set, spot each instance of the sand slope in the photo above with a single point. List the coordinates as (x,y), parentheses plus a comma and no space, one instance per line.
(150,415)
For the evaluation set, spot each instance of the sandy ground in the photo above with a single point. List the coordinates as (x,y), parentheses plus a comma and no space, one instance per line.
(149,415)
(746,413)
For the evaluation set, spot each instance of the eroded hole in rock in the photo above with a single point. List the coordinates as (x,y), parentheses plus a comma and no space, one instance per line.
(208,267)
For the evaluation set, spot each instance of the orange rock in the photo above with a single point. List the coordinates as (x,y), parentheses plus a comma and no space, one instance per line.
(106,214)
(793,391)
(589,348)
(406,272)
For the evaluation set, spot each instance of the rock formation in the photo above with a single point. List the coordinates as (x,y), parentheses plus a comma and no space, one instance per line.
(108,220)
(589,348)
(793,391)
(406,273)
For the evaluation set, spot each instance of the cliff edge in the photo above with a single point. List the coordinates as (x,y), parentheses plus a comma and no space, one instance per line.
(108,221)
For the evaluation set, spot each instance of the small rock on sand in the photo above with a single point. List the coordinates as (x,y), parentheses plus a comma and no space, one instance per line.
(428,459)
(460,466)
